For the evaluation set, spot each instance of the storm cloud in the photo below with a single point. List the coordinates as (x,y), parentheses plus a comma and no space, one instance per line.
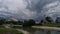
(26,9)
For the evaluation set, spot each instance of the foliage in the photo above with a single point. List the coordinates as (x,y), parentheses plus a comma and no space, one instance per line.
(2,21)
(31,22)
(28,23)
(14,22)
(52,25)
(49,19)
(58,20)
(3,30)
(20,22)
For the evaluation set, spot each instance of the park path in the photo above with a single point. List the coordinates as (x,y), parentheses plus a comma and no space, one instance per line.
(25,32)
(38,27)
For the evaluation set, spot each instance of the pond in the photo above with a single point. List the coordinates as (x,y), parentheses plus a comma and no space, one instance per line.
(39,31)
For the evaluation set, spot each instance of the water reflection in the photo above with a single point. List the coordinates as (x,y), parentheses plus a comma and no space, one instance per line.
(41,31)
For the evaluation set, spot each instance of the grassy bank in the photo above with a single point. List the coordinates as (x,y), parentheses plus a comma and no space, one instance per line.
(52,25)
(3,30)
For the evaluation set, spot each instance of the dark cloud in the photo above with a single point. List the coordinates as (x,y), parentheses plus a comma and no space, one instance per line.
(26,9)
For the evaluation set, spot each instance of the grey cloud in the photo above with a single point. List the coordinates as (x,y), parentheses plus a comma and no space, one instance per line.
(25,9)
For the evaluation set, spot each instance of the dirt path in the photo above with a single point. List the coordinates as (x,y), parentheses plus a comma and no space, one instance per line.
(25,32)
(46,27)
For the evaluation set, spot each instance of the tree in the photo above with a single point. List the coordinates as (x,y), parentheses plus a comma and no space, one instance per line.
(31,22)
(20,22)
(41,22)
(48,19)
(28,23)
(2,21)
(58,20)
(25,23)
(15,22)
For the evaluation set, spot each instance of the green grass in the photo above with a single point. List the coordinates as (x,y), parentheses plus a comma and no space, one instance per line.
(52,25)
(8,31)
(2,26)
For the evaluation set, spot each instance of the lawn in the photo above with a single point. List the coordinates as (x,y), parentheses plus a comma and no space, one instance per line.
(52,24)
(3,30)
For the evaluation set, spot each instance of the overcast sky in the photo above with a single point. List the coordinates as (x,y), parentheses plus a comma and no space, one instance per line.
(26,9)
